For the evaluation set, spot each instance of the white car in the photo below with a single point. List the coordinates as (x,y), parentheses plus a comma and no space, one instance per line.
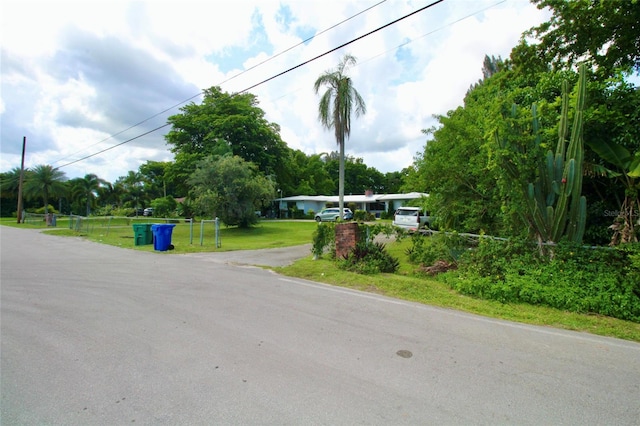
(410,218)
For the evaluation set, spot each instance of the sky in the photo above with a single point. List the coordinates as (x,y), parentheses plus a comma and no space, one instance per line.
(87,82)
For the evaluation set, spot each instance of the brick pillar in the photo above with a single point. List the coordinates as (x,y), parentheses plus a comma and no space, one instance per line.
(346,238)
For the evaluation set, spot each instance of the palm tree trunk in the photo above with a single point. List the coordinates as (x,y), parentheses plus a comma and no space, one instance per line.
(341,179)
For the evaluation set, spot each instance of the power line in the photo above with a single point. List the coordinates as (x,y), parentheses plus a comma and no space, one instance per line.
(114,146)
(345,44)
(221,83)
(405,43)
(277,75)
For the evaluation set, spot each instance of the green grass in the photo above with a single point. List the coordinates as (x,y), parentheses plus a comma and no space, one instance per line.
(404,285)
(185,239)
(407,286)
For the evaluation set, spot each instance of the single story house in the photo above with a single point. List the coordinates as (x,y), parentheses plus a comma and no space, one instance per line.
(370,202)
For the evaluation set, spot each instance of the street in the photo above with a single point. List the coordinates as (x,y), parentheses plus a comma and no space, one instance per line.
(93,334)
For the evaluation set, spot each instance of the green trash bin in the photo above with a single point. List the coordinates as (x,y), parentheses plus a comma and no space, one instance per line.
(142,234)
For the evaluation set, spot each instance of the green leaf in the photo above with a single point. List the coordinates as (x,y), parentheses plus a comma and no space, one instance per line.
(612,152)
(634,166)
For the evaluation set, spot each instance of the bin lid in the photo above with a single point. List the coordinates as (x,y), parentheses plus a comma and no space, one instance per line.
(162,225)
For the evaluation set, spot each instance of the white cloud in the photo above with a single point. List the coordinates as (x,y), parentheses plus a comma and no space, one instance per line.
(93,69)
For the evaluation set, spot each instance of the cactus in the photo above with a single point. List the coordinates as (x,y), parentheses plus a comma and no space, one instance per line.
(555,205)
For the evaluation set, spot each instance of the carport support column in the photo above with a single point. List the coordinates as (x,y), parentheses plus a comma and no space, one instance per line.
(347,235)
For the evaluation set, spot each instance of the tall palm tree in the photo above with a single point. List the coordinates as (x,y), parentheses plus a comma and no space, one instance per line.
(44,181)
(9,182)
(133,186)
(334,109)
(111,194)
(87,189)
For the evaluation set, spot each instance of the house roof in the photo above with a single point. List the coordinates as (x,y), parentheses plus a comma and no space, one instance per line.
(356,198)
(407,196)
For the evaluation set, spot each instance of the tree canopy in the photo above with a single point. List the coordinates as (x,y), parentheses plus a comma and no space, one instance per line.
(468,175)
(224,123)
(603,32)
(44,181)
(230,188)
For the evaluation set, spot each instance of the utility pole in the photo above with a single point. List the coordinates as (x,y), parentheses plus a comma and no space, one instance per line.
(21,181)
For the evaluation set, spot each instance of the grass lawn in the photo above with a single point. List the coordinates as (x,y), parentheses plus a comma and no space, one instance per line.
(184,237)
(402,285)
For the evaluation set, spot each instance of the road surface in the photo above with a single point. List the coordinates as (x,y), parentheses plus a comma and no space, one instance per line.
(98,335)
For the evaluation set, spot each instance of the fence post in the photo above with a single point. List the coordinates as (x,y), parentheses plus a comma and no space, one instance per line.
(217,222)
(190,230)
(201,231)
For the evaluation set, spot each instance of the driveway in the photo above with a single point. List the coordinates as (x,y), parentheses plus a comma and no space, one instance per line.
(282,256)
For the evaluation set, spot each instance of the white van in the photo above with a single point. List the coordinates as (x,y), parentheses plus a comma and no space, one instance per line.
(410,218)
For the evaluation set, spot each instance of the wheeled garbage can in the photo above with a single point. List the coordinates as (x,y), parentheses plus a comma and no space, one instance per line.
(142,234)
(162,236)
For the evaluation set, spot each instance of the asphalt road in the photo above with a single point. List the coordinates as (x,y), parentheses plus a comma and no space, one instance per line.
(98,335)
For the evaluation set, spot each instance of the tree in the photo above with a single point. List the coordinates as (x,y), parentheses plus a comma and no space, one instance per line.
(224,123)
(87,189)
(454,171)
(230,188)
(44,181)
(164,206)
(9,184)
(335,107)
(132,185)
(111,194)
(604,32)
(155,180)
(313,172)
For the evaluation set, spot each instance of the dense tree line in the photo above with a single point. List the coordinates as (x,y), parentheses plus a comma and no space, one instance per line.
(520,98)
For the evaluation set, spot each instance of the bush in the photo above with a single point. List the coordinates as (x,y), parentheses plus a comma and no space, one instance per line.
(50,209)
(426,250)
(575,278)
(164,206)
(363,216)
(369,258)
(324,236)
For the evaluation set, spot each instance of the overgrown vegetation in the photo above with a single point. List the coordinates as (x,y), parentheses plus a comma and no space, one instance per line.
(604,281)
(324,237)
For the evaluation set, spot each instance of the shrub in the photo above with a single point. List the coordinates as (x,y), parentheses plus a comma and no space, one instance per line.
(363,216)
(324,236)
(50,209)
(369,258)
(579,279)
(426,250)
(164,206)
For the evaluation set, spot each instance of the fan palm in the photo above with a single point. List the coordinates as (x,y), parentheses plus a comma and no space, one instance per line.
(335,107)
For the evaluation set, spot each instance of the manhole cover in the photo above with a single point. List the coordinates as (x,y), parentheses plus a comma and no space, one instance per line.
(404,353)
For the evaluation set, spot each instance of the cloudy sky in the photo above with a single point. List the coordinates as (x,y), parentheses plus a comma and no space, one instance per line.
(83,77)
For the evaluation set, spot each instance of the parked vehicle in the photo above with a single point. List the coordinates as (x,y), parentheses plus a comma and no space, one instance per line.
(411,218)
(332,214)
(148,212)
(136,212)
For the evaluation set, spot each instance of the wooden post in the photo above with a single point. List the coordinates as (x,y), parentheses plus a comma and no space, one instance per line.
(20,182)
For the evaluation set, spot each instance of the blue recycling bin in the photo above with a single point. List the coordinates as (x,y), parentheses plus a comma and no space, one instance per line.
(162,236)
